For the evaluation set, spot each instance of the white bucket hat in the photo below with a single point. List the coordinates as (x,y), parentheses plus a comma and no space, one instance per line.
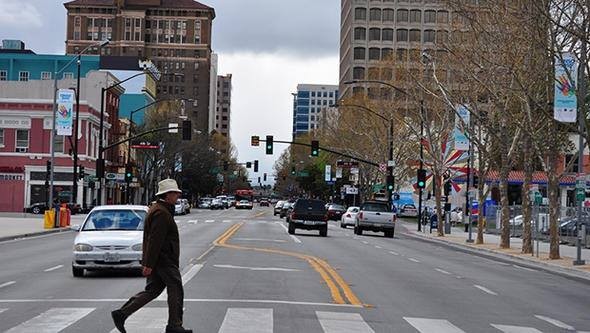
(167,185)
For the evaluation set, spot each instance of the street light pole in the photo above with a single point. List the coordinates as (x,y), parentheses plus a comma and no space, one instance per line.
(76,130)
(421,164)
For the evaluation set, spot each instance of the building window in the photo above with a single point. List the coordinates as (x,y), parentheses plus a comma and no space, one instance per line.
(442,36)
(402,35)
(77,21)
(430,16)
(442,17)
(374,53)
(197,32)
(360,33)
(359,53)
(22,139)
(415,16)
(360,14)
(68,75)
(375,14)
(387,35)
(402,15)
(429,36)
(386,54)
(374,34)
(3,75)
(59,143)
(1,137)
(358,73)
(45,75)
(415,35)
(23,76)
(388,15)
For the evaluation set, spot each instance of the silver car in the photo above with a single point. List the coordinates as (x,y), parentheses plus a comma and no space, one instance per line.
(111,237)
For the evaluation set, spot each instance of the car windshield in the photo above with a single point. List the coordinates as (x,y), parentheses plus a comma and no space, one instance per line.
(375,207)
(115,219)
(336,207)
(353,209)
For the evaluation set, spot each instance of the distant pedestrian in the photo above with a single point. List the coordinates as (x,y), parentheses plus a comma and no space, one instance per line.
(161,255)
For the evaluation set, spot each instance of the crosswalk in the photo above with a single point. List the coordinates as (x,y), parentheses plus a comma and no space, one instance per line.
(246,320)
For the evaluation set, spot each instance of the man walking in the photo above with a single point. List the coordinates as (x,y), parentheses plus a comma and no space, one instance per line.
(161,254)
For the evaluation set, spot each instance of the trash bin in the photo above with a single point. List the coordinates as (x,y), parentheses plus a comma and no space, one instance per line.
(63,217)
(49,219)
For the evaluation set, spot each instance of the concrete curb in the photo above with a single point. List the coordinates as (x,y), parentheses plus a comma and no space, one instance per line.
(33,234)
(571,273)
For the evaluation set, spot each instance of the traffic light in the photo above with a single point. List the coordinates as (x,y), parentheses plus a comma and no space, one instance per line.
(447,188)
(186,130)
(225,165)
(265,177)
(100,168)
(315,148)
(269,144)
(248,165)
(128,173)
(293,172)
(255,165)
(390,183)
(421,178)
(81,172)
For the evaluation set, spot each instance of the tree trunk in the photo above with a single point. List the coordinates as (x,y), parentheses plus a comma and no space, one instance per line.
(438,194)
(481,202)
(527,244)
(505,224)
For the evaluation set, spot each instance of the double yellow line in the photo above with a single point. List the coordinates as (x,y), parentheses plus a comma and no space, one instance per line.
(333,280)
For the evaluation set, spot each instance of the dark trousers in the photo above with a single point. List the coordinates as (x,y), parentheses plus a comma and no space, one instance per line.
(162,277)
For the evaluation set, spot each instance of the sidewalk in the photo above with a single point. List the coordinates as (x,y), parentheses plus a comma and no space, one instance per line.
(458,238)
(20,225)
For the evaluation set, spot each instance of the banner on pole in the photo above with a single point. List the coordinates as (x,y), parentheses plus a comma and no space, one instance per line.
(328,173)
(462,119)
(65,108)
(566,79)
(338,173)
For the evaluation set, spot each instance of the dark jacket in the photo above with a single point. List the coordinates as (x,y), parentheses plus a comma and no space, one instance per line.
(161,244)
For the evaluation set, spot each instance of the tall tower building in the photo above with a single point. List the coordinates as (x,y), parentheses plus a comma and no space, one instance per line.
(174,34)
(375,30)
(309,103)
(223,115)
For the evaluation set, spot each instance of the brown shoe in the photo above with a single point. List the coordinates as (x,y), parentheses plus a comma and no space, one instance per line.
(119,320)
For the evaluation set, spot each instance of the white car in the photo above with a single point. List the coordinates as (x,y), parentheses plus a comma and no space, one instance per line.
(408,210)
(349,217)
(181,207)
(111,237)
(244,204)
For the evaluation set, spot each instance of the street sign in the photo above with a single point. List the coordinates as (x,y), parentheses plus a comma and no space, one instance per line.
(173,128)
(255,141)
(382,167)
(145,145)
(539,198)
(352,190)
(110,176)
(391,164)
(328,173)
(338,172)
(580,194)
(347,165)
(303,174)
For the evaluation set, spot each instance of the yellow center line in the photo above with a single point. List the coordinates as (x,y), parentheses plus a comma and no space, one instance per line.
(327,273)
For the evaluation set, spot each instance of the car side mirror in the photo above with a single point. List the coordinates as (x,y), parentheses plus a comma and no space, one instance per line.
(75,227)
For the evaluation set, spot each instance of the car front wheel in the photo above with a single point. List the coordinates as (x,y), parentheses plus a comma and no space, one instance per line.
(77,272)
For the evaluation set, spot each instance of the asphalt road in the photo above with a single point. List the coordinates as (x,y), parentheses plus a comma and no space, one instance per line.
(244,273)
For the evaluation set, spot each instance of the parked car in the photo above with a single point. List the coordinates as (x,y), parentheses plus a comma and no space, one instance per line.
(110,238)
(244,204)
(216,204)
(232,201)
(349,217)
(41,207)
(205,203)
(375,216)
(278,207)
(335,212)
(309,214)
(180,207)
(187,206)
(285,209)
(408,210)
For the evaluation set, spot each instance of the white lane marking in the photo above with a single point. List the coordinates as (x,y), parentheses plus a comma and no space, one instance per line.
(365,242)
(555,322)
(226,221)
(261,240)
(427,325)
(6,284)
(293,237)
(516,329)
(278,269)
(414,260)
(53,268)
(52,321)
(343,322)
(186,277)
(193,221)
(525,268)
(239,320)
(2,310)
(146,320)
(484,289)
(209,221)
(378,247)
(394,253)
(442,271)
(459,277)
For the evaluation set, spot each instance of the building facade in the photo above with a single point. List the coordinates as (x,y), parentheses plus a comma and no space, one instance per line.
(376,30)
(213,93)
(309,103)
(223,114)
(174,34)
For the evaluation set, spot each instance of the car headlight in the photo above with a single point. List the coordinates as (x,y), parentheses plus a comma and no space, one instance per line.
(137,247)
(81,247)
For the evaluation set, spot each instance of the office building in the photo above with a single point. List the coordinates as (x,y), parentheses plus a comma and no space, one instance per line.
(310,101)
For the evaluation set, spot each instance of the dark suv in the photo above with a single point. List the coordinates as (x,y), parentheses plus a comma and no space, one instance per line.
(309,214)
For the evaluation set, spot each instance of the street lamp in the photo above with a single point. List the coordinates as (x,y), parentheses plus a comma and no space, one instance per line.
(51,177)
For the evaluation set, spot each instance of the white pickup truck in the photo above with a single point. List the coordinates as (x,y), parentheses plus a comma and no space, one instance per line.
(375,216)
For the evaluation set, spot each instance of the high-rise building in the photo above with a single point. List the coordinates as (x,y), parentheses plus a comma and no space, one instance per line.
(174,34)
(376,30)
(222,118)
(309,103)
(213,92)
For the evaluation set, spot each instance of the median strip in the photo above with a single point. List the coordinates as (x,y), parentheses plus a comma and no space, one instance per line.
(332,279)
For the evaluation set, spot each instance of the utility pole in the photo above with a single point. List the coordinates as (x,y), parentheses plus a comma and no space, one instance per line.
(76,130)
(421,164)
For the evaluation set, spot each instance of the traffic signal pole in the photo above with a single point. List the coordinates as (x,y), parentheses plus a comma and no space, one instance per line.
(421,164)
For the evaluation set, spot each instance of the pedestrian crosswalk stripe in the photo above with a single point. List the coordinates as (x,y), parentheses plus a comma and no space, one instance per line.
(2,310)
(555,322)
(427,325)
(240,320)
(146,320)
(52,321)
(342,322)
(516,329)
(186,277)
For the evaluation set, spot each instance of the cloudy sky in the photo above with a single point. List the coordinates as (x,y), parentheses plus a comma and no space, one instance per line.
(268,45)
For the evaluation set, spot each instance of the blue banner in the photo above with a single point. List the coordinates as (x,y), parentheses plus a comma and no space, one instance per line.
(64,116)
(566,76)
